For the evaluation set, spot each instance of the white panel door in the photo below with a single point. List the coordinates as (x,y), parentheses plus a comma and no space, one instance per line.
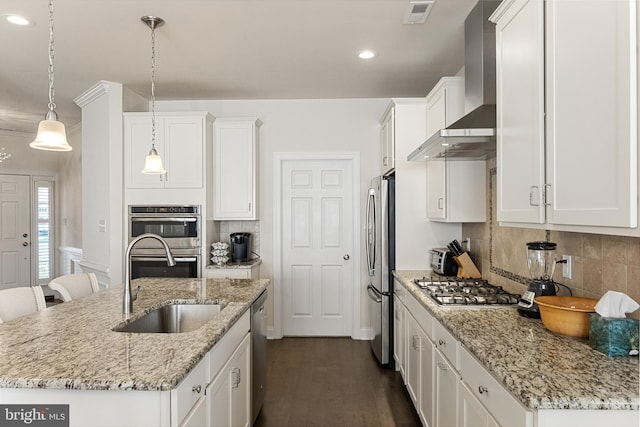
(317,237)
(15,231)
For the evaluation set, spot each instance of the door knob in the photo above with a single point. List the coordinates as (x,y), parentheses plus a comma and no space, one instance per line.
(346,257)
(25,235)
(25,244)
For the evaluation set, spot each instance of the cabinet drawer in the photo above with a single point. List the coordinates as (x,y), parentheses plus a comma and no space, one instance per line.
(186,395)
(224,348)
(447,344)
(228,273)
(493,396)
(422,316)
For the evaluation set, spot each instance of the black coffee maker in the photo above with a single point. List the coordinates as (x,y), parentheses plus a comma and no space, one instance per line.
(240,246)
(541,258)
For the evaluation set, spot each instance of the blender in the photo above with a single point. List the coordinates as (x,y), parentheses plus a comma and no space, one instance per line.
(541,258)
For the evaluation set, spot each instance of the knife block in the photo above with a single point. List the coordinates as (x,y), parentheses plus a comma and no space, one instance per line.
(466,267)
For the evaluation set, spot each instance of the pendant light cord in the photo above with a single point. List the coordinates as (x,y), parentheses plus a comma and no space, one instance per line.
(153,86)
(52,105)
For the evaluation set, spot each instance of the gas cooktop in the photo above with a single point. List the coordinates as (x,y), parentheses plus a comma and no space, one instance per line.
(459,291)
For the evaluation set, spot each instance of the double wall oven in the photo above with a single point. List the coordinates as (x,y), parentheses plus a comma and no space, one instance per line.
(179,226)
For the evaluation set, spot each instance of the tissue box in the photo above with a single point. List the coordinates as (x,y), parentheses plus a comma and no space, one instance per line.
(613,337)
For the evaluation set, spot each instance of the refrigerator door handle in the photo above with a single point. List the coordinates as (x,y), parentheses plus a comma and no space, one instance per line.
(370,247)
(373,294)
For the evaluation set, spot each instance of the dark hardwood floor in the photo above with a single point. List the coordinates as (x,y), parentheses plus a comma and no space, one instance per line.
(331,382)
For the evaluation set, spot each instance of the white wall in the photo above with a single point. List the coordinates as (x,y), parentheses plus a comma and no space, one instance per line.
(303,126)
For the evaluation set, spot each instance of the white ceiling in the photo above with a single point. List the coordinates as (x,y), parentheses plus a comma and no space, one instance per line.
(224,49)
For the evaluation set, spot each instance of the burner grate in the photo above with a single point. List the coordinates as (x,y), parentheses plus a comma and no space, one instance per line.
(466,292)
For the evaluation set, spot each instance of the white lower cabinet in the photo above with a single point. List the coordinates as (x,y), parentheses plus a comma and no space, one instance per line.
(233,273)
(447,381)
(399,337)
(229,393)
(471,413)
(492,395)
(187,399)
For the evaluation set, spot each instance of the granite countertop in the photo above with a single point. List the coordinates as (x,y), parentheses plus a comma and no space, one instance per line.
(238,265)
(543,370)
(72,345)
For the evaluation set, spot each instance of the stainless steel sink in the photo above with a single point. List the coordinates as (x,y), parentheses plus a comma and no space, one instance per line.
(173,318)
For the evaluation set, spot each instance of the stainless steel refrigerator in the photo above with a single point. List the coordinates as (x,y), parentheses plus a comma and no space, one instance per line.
(380,251)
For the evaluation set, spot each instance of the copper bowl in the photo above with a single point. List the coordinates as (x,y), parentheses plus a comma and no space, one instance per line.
(566,315)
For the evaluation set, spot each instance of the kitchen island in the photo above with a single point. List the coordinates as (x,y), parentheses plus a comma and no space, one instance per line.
(552,377)
(70,354)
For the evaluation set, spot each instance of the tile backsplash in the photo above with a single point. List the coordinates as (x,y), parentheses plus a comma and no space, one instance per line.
(226,228)
(599,262)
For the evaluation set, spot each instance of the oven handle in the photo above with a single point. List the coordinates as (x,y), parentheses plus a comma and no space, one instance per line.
(178,259)
(190,219)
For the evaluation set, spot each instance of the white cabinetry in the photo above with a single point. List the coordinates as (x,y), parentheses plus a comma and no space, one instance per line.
(188,406)
(181,142)
(399,336)
(418,356)
(445,103)
(235,168)
(580,168)
(471,411)
(233,273)
(455,189)
(387,142)
(491,394)
(229,392)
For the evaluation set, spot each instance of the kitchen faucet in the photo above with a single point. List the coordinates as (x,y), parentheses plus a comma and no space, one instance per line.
(128,298)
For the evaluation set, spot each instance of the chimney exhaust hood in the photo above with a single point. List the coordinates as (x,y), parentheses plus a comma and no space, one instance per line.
(473,136)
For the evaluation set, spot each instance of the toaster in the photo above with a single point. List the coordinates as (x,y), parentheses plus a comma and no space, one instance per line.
(442,262)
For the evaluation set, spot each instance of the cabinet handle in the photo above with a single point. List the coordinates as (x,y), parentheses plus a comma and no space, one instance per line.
(440,202)
(531,196)
(482,389)
(384,160)
(235,377)
(442,366)
(249,205)
(546,190)
(415,342)
(196,388)
(442,342)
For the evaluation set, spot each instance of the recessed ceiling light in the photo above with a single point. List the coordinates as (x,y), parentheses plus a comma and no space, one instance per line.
(18,20)
(366,54)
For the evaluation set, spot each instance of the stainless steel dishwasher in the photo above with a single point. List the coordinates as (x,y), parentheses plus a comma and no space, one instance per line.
(258,354)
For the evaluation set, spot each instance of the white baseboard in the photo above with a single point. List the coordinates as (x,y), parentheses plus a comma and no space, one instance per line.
(365,334)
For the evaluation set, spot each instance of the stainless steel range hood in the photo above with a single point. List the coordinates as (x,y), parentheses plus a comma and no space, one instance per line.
(472,136)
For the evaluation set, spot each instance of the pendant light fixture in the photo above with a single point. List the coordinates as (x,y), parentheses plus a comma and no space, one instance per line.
(153,162)
(51,133)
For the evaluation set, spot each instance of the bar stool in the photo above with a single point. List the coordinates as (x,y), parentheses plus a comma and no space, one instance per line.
(20,301)
(72,286)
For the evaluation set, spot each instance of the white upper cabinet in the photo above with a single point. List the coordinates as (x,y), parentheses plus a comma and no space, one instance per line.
(387,142)
(180,141)
(520,112)
(455,189)
(567,114)
(235,168)
(591,99)
(445,103)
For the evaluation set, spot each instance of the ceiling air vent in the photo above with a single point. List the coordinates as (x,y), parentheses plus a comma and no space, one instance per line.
(417,11)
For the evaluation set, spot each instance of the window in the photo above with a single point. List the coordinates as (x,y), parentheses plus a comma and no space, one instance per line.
(44,262)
